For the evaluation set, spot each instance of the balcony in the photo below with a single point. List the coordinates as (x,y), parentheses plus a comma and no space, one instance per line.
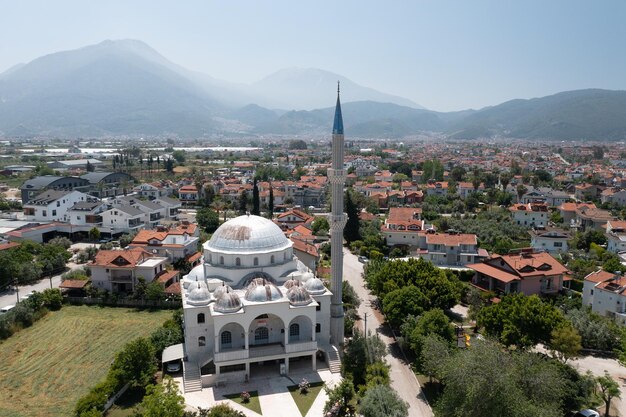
(122,279)
(266,350)
(231,355)
(301,347)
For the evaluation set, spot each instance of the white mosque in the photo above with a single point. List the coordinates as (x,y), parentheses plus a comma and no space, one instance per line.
(252,306)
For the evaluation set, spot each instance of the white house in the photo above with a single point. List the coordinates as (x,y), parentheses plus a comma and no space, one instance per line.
(402,226)
(174,243)
(604,292)
(530,215)
(87,213)
(616,236)
(550,239)
(123,219)
(53,205)
(120,270)
(252,306)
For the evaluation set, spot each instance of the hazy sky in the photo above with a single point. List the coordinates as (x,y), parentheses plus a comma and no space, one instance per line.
(445,55)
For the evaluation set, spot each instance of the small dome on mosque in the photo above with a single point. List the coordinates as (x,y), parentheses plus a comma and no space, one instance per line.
(198,294)
(260,290)
(222,289)
(315,286)
(228,302)
(298,296)
(292,283)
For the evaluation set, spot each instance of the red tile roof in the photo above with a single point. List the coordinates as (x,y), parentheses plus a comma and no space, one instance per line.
(74,283)
(128,258)
(599,276)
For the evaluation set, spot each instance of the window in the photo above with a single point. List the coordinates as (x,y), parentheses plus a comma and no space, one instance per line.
(256,261)
(200,318)
(202,341)
(237,261)
(227,339)
(558,244)
(319,306)
(272,259)
(294,332)
(221,260)
(261,335)
(54,212)
(318,328)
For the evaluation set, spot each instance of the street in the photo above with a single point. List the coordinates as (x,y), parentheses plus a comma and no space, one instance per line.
(403,379)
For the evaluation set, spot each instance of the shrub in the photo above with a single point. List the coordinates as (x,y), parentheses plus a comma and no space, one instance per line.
(245,396)
(52,299)
(304,386)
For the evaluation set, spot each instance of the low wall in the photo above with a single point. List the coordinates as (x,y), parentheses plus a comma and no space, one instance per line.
(123,302)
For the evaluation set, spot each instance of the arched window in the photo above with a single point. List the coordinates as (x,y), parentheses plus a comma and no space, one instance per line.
(202,341)
(221,260)
(294,332)
(200,318)
(261,335)
(237,261)
(227,339)
(272,259)
(256,261)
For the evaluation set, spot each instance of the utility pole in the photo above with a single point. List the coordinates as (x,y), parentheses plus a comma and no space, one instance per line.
(17,290)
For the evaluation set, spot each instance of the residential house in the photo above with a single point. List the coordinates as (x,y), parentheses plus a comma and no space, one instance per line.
(87,213)
(172,206)
(154,190)
(527,272)
(450,249)
(188,194)
(402,226)
(550,239)
(585,192)
(123,219)
(464,189)
(568,211)
(605,293)
(437,188)
(52,205)
(108,184)
(592,218)
(172,243)
(615,196)
(120,270)
(530,215)
(292,218)
(37,185)
(616,236)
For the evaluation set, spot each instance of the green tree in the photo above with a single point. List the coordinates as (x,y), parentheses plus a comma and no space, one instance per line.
(565,342)
(340,401)
(361,351)
(351,232)
(179,156)
(256,200)
(521,320)
(155,291)
(433,322)
(270,204)
(163,400)
(136,362)
(208,219)
(383,401)
(320,226)
(400,303)
(609,389)
(94,234)
(435,352)
(486,380)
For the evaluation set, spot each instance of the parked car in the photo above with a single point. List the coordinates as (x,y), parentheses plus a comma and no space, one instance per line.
(6,309)
(173,367)
(363,259)
(587,413)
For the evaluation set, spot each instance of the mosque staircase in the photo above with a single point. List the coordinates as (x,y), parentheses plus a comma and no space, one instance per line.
(333,359)
(191,377)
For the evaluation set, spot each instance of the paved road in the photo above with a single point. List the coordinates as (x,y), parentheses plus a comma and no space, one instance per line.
(402,378)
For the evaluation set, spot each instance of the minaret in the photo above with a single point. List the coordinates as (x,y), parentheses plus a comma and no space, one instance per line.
(337,178)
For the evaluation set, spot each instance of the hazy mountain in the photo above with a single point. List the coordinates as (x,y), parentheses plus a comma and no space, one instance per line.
(581,114)
(308,88)
(126,88)
(115,87)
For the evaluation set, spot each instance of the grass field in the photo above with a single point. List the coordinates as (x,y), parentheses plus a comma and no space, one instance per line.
(44,369)
(254,404)
(305,401)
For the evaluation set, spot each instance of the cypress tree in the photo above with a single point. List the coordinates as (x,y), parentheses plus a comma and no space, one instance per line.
(256,201)
(270,205)
(351,231)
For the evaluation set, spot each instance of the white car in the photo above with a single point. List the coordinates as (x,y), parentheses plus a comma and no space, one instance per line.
(6,309)
(587,413)
(173,367)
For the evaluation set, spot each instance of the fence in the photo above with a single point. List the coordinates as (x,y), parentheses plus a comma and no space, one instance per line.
(124,302)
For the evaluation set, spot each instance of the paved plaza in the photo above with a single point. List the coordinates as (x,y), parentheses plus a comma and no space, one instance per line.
(274,396)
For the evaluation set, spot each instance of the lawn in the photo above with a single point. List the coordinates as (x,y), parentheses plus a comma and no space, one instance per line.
(305,401)
(253,404)
(47,367)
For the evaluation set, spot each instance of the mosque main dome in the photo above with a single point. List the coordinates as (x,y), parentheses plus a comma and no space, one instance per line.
(248,234)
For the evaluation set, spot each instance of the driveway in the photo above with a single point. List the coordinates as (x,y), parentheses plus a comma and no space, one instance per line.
(403,379)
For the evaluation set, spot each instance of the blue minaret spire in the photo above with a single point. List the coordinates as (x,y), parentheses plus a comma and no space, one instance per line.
(338,124)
